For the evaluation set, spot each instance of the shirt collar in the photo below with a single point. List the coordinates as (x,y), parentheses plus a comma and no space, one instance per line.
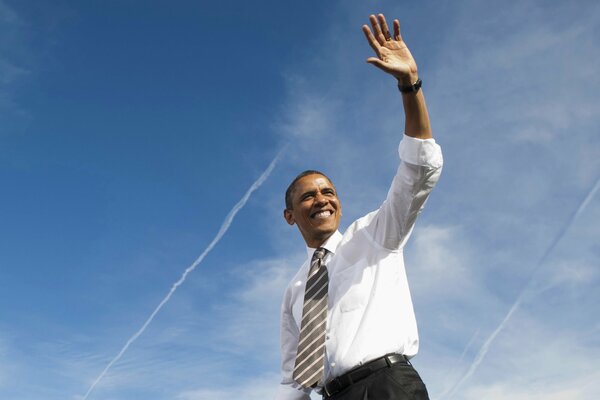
(330,244)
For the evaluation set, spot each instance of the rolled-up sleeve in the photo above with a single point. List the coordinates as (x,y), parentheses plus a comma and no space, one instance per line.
(419,170)
(421,152)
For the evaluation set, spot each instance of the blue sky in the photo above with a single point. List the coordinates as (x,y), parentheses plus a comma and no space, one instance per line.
(129,130)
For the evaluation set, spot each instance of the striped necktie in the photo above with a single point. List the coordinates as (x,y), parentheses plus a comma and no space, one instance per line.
(309,366)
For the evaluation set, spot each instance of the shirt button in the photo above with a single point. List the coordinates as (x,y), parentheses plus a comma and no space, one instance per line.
(327,337)
(332,365)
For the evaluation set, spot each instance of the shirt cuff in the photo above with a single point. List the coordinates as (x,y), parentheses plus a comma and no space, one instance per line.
(421,152)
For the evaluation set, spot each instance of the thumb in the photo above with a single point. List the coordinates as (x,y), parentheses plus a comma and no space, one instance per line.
(378,63)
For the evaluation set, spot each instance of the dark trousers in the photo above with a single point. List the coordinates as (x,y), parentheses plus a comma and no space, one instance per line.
(398,382)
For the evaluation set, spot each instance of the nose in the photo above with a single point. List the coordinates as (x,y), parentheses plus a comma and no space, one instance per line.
(320,199)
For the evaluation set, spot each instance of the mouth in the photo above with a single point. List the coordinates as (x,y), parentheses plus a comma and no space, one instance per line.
(323,214)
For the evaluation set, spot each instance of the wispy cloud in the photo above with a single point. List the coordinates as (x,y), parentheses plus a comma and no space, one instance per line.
(255,308)
(259,388)
(527,291)
(553,362)
(4,372)
(224,227)
(308,115)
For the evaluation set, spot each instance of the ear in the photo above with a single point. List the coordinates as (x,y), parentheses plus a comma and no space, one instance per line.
(289,216)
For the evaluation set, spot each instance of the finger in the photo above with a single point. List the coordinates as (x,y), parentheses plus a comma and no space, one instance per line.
(384,27)
(377,29)
(397,30)
(371,39)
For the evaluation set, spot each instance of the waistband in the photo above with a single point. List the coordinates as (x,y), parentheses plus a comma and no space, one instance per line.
(340,383)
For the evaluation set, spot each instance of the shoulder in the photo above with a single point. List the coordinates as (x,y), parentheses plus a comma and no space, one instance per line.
(357,227)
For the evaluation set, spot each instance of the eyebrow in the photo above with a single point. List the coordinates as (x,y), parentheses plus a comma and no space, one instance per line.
(313,191)
(307,193)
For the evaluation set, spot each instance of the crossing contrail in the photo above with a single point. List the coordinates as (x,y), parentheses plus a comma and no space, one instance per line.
(224,227)
(528,288)
(452,371)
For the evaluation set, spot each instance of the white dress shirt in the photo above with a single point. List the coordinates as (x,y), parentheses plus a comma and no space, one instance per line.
(370,311)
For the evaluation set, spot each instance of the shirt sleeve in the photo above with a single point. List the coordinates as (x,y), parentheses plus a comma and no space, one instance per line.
(419,170)
(289,389)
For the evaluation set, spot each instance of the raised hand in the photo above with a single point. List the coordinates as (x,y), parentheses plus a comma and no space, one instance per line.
(393,56)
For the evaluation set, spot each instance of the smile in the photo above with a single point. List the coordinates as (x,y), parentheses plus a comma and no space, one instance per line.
(322,214)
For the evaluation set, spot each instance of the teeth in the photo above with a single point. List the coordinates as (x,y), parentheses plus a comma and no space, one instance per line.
(323,214)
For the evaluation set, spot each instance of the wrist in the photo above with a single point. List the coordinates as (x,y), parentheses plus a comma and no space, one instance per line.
(410,88)
(408,79)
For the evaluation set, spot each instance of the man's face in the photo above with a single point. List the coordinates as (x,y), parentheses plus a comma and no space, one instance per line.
(315,209)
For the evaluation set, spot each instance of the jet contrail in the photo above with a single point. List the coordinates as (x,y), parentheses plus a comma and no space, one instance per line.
(222,230)
(486,345)
(468,346)
(457,363)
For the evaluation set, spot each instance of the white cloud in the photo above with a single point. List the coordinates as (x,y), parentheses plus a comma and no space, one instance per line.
(573,274)
(250,322)
(308,116)
(539,359)
(558,391)
(260,388)
(533,356)
(4,362)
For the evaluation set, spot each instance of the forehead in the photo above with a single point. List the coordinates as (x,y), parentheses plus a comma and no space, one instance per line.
(312,182)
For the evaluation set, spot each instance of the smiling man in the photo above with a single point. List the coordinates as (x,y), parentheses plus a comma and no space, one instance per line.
(312,204)
(348,327)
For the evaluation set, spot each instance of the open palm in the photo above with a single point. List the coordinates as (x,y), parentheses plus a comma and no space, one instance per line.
(392,53)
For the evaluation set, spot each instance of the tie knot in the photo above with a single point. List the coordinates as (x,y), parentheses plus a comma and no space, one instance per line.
(319,253)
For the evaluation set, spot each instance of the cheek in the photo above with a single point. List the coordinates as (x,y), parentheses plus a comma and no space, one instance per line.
(304,216)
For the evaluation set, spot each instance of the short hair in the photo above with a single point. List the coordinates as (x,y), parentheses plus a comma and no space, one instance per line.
(290,189)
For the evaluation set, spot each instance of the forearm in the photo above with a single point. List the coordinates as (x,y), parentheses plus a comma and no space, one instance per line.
(416,122)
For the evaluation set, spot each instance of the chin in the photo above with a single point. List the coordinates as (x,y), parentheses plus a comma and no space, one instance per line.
(326,233)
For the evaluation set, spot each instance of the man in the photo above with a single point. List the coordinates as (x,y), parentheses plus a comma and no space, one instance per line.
(348,327)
